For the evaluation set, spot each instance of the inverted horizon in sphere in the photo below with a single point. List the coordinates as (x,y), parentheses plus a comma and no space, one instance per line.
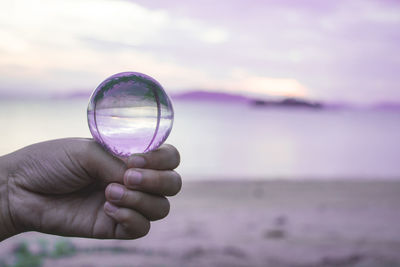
(130,113)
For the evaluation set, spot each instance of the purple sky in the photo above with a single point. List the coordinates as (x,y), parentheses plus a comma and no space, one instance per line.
(329,50)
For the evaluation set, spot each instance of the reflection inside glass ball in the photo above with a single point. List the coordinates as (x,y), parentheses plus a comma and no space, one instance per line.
(130,113)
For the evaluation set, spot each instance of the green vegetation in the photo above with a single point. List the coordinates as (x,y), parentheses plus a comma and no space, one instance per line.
(34,254)
(23,256)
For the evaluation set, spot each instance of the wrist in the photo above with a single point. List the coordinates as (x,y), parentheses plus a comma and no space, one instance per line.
(7,228)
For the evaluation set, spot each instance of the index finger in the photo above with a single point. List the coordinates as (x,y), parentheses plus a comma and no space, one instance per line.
(166,157)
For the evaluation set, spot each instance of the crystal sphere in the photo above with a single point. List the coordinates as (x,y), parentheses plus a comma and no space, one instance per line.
(130,113)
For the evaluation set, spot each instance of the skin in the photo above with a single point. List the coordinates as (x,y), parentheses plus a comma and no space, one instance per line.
(68,187)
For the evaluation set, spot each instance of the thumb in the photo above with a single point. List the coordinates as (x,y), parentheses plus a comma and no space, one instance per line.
(97,162)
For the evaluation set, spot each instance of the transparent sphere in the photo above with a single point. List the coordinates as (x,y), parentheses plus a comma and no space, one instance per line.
(130,113)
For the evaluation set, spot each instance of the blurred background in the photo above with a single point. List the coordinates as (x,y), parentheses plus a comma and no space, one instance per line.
(262,90)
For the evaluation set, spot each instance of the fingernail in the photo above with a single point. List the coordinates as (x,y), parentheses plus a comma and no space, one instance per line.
(137,161)
(110,208)
(116,192)
(133,177)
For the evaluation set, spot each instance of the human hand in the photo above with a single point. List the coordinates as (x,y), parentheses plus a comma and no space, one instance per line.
(72,187)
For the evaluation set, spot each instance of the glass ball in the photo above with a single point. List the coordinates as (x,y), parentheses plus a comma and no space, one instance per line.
(130,113)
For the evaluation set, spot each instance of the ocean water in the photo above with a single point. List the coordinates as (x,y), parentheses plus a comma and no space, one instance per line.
(220,140)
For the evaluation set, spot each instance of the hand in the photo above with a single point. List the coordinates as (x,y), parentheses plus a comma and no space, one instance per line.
(72,187)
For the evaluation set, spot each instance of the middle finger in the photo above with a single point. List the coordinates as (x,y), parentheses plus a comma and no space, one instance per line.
(165,183)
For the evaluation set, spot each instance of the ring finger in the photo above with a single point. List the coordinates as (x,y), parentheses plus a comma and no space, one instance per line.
(151,206)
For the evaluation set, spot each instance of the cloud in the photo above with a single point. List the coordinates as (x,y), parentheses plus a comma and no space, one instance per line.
(240,81)
(61,23)
(338,49)
(53,41)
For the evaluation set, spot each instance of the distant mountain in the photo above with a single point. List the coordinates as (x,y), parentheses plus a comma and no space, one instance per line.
(229,97)
(210,96)
(288,103)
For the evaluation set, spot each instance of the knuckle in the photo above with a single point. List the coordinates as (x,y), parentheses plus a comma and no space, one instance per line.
(137,198)
(143,229)
(156,181)
(175,156)
(122,217)
(171,154)
(134,226)
(133,229)
(163,210)
(176,183)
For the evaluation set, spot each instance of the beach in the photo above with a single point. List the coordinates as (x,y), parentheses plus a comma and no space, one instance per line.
(255,223)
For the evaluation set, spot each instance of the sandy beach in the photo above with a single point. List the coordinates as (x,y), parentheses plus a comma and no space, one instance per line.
(258,223)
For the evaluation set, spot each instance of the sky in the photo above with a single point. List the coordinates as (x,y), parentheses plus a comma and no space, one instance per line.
(344,50)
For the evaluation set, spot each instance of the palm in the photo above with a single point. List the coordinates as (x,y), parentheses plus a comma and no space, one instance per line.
(60,195)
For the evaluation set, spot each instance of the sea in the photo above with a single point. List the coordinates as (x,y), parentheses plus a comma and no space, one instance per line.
(236,141)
